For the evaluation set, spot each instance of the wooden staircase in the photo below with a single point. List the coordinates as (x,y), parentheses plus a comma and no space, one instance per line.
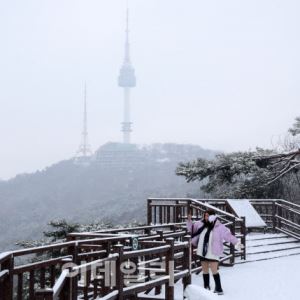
(278,237)
(160,250)
(262,246)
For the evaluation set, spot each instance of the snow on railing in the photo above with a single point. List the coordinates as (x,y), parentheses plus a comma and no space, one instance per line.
(90,249)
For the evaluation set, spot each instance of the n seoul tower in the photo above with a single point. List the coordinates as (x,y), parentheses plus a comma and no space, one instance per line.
(127,81)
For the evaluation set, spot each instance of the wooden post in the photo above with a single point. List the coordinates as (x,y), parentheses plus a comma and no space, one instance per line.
(161,235)
(52,275)
(66,293)
(188,208)
(95,284)
(273,215)
(243,239)
(8,283)
(187,261)
(43,277)
(108,248)
(232,250)
(173,227)
(73,250)
(177,212)
(87,276)
(168,214)
(292,216)
(31,285)
(160,212)
(149,212)
(161,238)
(20,286)
(279,213)
(169,287)
(118,272)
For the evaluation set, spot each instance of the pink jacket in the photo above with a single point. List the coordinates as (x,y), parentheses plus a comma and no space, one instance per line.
(220,233)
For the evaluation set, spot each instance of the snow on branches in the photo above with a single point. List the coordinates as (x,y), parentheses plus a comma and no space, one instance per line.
(281,164)
(230,175)
(295,130)
(253,174)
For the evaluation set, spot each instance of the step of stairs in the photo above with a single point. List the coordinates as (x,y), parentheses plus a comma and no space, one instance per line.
(261,246)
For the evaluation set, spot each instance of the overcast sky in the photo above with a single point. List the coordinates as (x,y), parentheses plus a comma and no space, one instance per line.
(221,74)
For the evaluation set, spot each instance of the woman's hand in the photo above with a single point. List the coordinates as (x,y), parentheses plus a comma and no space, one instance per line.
(239,246)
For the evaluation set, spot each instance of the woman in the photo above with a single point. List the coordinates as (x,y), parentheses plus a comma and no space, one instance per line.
(208,236)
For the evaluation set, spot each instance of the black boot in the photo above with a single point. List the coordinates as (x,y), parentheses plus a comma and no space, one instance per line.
(206,281)
(218,287)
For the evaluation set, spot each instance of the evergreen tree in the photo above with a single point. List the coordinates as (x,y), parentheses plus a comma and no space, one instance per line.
(295,130)
(234,175)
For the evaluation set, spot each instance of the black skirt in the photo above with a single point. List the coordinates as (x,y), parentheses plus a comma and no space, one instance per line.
(202,258)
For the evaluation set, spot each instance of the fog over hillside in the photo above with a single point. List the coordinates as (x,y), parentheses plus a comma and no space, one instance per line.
(113,187)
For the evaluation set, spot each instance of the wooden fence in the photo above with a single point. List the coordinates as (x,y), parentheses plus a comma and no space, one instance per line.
(107,264)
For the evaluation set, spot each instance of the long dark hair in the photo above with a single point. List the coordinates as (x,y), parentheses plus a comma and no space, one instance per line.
(206,222)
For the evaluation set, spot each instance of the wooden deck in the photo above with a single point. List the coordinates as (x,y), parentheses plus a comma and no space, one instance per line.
(128,263)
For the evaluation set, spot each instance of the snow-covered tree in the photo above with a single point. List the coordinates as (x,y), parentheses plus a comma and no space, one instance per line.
(281,164)
(252,174)
(295,130)
(234,175)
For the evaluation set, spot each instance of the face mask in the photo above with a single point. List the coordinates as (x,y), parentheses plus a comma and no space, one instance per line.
(212,218)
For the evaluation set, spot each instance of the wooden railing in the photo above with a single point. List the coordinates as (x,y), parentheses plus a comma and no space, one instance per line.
(40,272)
(279,215)
(163,210)
(270,210)
(76,269)
(287,218)
(6,276)
(126,273)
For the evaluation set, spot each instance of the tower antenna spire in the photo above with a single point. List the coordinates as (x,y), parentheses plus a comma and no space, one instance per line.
(127,45)
(84,150)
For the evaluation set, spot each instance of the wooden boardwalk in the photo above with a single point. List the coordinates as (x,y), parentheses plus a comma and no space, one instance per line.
(128,263)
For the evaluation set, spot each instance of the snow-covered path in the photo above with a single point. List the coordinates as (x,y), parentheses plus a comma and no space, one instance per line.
(276,279)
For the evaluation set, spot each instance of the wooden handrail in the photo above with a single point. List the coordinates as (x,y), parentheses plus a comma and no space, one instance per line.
(4,256)
(146,285)
(148,251)
(59,285)
(197,201)
(39,265)
(111,296)
(288,232)
(138,228)
(289,203)
(41,248)
(65,245)
(290,223)
(288,208)
(3,274)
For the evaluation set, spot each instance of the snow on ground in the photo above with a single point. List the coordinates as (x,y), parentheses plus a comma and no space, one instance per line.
(276,279)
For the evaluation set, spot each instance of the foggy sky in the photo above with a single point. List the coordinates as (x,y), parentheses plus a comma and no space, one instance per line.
(221,74)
